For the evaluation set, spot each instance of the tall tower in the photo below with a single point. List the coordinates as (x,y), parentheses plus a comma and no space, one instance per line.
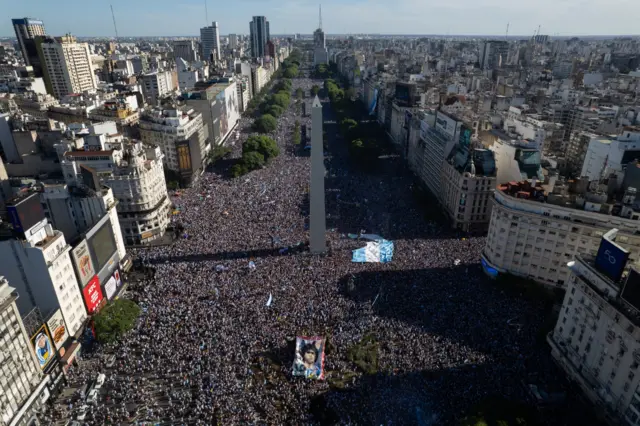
(260,35)
(317,217)
(26,31)
(210,39)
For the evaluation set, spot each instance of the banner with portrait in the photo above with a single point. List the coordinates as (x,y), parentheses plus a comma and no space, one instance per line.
(309,357)
(42,346)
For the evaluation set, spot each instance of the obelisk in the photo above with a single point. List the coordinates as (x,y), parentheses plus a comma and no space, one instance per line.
(317,215)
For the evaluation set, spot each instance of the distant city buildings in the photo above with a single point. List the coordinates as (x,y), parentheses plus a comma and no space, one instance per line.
(186,49)
(156,85)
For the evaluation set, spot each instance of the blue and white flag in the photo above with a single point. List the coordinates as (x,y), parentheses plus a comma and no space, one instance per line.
(377,251)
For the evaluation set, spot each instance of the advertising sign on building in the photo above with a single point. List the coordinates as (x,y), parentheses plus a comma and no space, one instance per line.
(446,125)
(84,264)
(58,329)
(92,294)
(110,288)
(42,346)
(465,136)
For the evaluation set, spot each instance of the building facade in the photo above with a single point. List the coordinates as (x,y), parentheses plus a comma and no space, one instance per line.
(67,65)
(596,341)
(21,380)
(534,238)
(258,36)
(156,85)
(38,264)
(210,41)
(181,135)
(27,29)
(186,49)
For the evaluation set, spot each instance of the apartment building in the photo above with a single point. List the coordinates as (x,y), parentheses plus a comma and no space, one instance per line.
(210,41)
(22,384)
(66,65)
(186,49)
(182,136)
(156,85)
(596,340)
(36,261)
(27,30)
(611,155)
(535,231)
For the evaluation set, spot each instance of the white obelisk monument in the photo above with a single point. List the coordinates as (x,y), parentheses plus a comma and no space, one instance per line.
(317,215)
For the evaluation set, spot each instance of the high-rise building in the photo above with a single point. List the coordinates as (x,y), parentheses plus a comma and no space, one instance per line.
(259,35)
(66,64)
(493,54)
(233,41)
(23,384)
(210,39)
(36,260)
(26,31)
(186,49)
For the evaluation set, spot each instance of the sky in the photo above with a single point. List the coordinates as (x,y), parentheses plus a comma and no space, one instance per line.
(453,17)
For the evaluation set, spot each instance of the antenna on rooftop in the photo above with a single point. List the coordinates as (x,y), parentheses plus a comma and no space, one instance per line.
(206,12)
(506,36)
(320,16)
(114,21)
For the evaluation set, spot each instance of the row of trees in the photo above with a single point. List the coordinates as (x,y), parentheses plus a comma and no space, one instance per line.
(296,133)
(256,152)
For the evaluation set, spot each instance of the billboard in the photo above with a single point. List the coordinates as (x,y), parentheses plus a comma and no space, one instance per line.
(110,288)
(446,125)
(92,295)
(631,290)
(102,244)
(309,357)
(611,258)
(184,156)
(26,213)
(42,346)
(58,329)
(84,263)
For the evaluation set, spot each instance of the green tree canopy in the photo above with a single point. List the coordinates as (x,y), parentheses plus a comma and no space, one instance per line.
(266,124)
(315,89)
(291,72)
(275,110)
(252,160)
(115,319)
(266,146)
(281,99)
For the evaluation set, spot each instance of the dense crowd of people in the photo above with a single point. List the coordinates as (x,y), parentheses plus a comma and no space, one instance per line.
(208,350)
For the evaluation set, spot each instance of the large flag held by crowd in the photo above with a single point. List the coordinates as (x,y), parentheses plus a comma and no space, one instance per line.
(309,357)
(375,251)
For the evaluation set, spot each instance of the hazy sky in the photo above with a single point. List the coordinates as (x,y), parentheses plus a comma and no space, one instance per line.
(185,17)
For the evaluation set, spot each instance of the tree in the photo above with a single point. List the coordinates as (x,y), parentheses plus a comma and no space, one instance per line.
(315,89)
(275,110)
(238,170)
(266,146)
(115,320)
(252,160)
(350,93)
(299,93)
(282,99)
(266,124)
(348,124)
(291,72)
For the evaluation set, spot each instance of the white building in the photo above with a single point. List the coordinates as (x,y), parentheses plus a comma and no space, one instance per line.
(606,156)
(210,40)
(37,262)
(438,136)
(233,41)
(181,135)
(534,232)
(67,66)
(21,382)
(156,85)
(596,340)
(135,174)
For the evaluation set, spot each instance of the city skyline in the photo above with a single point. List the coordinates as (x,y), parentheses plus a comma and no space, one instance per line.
(490,17)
